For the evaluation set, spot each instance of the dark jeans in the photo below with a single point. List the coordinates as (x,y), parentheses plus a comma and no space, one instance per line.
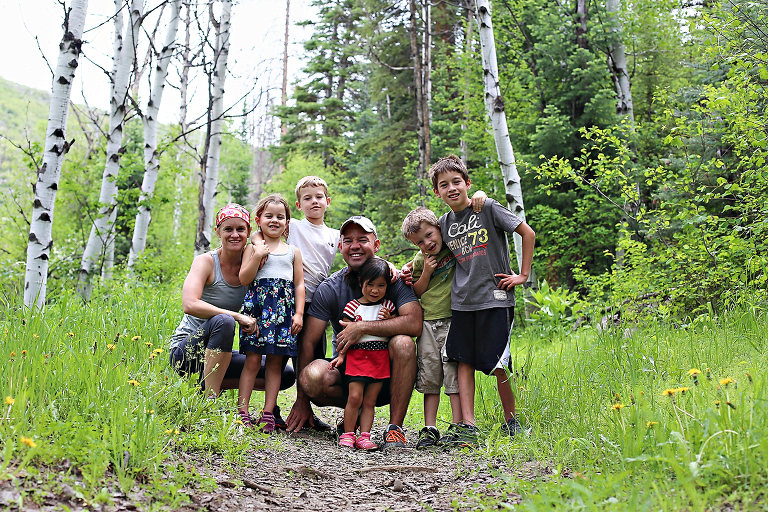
(217,333)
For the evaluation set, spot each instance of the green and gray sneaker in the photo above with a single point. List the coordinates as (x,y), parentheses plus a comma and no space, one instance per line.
(466,436)
(449,438)
(429,437)
(511,427)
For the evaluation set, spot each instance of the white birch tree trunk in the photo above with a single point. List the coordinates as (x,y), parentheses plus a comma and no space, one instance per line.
(104,222)
(494,105)
(151,160)
(617,63)
(56,146)
(211,176)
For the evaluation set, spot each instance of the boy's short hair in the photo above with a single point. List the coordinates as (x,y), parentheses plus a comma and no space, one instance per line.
(310,181)
(412,221)
(447,164)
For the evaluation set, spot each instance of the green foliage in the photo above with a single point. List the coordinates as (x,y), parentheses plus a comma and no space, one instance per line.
(553,307)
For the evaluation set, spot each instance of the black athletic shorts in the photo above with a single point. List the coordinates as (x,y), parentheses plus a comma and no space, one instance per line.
(480,338)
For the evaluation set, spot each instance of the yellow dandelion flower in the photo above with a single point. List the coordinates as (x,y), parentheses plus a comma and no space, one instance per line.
(133,382)
(9,400)
(71,334)
(136,338)
(158,351)
(717,403)
(694,371)
(23,352)
(35,336)
(28,441)
(651,424)
(618,407)
(152,356)
(749,377)
(13,353)
(726,381)
(151,411)
(669,392)
(683,390)
(111,346)
(238,422)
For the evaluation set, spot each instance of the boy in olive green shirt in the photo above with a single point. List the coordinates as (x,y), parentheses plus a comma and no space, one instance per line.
(433,269)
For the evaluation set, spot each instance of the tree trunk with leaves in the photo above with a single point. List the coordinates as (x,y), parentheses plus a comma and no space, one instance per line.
(617,63)
(103,224)
(56,146)
(494,105)
(151,160)
(210,168)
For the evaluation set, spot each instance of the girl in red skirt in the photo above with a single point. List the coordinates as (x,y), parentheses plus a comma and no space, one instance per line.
(366,363)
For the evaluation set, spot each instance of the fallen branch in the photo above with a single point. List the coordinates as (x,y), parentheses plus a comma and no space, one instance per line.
(307,471)
(253,485)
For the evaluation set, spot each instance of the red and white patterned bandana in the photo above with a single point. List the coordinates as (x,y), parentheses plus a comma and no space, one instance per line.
(232,211)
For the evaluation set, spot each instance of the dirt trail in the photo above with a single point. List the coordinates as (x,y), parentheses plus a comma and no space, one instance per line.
(311,473)
(306,471)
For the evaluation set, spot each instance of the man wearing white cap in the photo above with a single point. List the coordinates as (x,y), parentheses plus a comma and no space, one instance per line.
(321,384)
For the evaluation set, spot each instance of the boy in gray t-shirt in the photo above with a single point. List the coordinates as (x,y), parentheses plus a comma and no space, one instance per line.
(482,293)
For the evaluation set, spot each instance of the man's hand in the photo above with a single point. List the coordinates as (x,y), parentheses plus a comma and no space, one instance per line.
(300,416)
(351,332)
(247,324)
(509,281)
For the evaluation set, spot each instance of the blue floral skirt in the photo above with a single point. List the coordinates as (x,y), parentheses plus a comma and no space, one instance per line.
(272,303)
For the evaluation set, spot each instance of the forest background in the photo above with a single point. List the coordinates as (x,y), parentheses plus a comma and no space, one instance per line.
(659,201)
(643,176)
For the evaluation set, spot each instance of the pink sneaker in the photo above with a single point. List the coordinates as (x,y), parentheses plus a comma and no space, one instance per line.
(347,440)
(268,419)
(364,442)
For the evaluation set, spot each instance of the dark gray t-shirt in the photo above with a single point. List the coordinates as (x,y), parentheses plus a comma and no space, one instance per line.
(335,292)
(479,242)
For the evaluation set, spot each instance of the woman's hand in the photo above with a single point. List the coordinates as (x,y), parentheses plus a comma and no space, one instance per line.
(297,322)
(247,324)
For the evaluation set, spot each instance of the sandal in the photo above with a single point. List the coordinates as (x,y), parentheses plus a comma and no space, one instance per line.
(245,419)
(364,442)
(347,440)
(268,419)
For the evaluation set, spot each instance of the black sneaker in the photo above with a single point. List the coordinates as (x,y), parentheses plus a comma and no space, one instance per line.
(279,421)
(394,437)
(429,437)
(511,427)
(320,425)
(466,436)
(340,426)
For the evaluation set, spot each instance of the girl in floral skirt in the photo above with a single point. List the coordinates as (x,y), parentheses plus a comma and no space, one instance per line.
(275,297)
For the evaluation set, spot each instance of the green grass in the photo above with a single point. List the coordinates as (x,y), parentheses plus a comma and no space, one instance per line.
(601,420)
(85,388)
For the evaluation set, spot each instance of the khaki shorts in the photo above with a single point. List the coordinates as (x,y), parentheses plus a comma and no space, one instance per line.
(434,369)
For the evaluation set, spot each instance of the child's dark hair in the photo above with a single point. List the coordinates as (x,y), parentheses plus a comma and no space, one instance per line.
(450,163)
(373,269)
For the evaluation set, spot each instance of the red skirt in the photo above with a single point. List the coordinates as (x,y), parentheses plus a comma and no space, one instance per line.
(367,363)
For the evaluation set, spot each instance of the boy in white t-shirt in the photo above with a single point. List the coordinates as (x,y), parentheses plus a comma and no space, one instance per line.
(318,245)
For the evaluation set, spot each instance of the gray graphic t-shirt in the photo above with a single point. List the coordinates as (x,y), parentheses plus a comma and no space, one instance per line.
(479,242)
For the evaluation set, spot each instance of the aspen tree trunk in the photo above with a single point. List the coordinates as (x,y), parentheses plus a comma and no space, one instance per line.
(117,46)
(284,101)
(56,146)
(494,105)
(151,161)
(617,63)
(210,169)
(427,73)
(422,121)
(103,225)
(464,147)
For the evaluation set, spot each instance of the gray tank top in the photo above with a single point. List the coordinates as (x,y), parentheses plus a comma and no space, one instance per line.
(219,293)
(278,266)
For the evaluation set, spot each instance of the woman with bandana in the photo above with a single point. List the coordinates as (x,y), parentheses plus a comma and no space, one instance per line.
(211,299)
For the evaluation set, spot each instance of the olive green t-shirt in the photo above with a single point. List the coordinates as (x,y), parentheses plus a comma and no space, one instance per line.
(436,301)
